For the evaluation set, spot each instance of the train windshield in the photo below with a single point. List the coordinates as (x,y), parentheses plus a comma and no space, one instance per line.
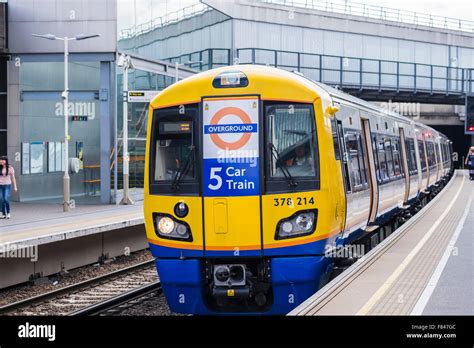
(292,134)
(173,145)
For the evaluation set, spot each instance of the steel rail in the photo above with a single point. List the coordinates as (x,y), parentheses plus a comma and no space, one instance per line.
(70,288)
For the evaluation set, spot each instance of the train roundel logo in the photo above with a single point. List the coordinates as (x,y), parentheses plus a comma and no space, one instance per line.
(244,138)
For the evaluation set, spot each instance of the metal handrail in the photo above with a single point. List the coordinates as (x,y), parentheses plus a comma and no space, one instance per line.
(454,79)
(202,64)
(159,22)
(381,13)
(409,75)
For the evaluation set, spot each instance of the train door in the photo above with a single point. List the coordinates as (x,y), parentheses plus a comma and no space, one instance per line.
(370,160)
(231,176)
(405,164)
(355,169)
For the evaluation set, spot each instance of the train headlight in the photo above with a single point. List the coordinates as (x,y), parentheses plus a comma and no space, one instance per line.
(168,227)
(305,221)
(165,225)
(299,224)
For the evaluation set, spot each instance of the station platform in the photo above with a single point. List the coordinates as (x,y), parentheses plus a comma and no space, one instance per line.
(425,267)
(40,223)
(41,240)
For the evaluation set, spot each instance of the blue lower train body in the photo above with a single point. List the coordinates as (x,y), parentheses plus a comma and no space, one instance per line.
(293,280)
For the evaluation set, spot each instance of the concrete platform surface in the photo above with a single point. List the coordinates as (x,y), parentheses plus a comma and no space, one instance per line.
(425,267)
(42,223)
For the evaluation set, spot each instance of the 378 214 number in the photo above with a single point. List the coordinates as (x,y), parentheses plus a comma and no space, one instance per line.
(288,201)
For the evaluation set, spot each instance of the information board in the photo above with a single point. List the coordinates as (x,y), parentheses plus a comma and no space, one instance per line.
(141,96)
(231,147)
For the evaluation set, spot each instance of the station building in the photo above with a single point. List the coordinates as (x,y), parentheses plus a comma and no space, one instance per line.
(165,38)
(3,77)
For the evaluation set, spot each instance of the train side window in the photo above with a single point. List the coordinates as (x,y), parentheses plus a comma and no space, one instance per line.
(446,153)
(389,157)
(353,159)
(431,154)
(422,156)
(397,158)
(442,153)
(362,160)
(376,158)
(411,156)
(408,152)
(355,153)
(382,172)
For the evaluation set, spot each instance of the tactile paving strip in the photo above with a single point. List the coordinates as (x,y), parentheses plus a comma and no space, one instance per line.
(405,291)
(375,286)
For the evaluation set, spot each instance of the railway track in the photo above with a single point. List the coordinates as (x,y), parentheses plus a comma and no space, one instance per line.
(93,296)
(117,304)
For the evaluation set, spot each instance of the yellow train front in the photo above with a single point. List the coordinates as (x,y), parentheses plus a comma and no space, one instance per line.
(243,193)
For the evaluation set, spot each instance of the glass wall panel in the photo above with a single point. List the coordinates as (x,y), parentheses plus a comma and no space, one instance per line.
(160,29)
(137,124)
(42,127)
(49,76)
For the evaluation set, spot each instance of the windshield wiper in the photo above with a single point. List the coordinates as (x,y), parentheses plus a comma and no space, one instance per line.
(181,172)
(284,170)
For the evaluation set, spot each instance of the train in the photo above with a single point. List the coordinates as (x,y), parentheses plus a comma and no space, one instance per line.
(255,176)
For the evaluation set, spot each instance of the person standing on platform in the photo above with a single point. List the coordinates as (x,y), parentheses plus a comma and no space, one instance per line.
(470,162)
(7,180)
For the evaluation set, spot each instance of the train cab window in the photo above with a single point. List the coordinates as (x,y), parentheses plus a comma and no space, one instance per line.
(172,153)
(173,162)
(291,146)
